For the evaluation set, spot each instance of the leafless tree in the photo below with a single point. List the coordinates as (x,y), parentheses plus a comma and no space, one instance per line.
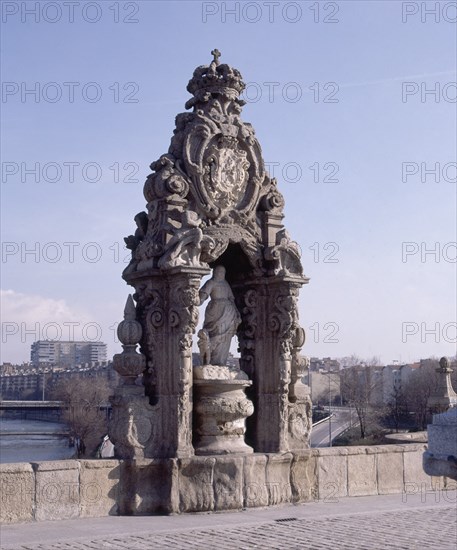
(358,383)
(396,407)
(418,389)
(82,398)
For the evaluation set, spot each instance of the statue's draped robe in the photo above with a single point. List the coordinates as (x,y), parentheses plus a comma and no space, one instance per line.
(221,319)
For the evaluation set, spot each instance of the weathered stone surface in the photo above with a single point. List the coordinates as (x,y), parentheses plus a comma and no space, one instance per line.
(57,489)
(212,205)
(303,477)
(99,487)
(228,483)
(221,408)
(222,317)
(439,467)
(278,478)
(442,441)
(17,493)
(332,474)
(195,484)
(361,474)
(441,457)
(203,484)
(390,472)
(255,492)
(415,477)
(146,486)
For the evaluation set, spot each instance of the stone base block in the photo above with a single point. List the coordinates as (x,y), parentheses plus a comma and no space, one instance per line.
(414,475)
(332,474)
(148,486)
(361,474)
(17,493)
(390,471)
(303,477)
(255,491)
(99,487)
(94,488)
(57,490)
(215,483)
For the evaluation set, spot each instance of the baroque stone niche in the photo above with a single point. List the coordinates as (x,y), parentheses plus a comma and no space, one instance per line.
(211,203)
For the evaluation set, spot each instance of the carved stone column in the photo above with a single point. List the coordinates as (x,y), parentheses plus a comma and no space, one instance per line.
(269,350)
(167,309)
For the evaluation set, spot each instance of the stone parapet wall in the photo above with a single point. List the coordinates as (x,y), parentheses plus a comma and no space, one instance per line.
(94,488)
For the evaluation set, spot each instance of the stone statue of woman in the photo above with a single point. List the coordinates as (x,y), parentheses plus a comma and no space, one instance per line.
(221,316)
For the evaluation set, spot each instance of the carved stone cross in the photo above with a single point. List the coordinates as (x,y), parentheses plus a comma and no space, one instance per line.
(216,54)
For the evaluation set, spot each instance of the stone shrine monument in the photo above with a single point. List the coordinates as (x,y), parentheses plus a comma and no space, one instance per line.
(211,210)
(440,459)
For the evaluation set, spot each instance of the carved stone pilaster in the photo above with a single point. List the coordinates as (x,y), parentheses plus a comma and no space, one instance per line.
(168,310)
(300,406)
(247,303)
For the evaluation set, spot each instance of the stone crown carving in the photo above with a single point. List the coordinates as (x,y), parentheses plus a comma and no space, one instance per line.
(215,78)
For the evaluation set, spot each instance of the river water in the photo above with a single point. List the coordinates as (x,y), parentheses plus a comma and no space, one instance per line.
(32,441)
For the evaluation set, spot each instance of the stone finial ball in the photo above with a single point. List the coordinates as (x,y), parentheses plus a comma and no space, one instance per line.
(129,332)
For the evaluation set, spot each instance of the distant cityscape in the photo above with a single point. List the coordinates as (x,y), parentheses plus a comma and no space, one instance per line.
(50,361)
(325,376)
(66,353)
(53,360)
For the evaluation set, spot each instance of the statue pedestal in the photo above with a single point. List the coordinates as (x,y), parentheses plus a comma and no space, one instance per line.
(221,408)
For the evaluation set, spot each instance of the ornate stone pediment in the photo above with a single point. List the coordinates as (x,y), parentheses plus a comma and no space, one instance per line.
(211,190)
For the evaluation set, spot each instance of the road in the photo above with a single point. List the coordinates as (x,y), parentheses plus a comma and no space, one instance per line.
(341,420)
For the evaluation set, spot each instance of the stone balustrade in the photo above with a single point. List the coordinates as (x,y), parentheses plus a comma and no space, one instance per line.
(94,488)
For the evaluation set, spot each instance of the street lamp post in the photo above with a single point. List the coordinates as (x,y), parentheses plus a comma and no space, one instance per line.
(329,410)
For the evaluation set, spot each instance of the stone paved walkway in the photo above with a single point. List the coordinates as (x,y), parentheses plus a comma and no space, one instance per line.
(416,522)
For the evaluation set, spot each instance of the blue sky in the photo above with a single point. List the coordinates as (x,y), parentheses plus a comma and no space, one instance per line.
(336,102)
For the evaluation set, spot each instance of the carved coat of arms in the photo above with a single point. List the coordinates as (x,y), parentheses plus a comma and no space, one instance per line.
(226,177)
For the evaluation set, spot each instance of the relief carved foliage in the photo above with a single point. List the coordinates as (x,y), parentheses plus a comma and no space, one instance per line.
(151,314)
(247,304)
(284,317)
(184,302)
(300,423)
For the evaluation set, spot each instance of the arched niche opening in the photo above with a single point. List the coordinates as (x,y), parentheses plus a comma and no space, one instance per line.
(237,265)
(240,274)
